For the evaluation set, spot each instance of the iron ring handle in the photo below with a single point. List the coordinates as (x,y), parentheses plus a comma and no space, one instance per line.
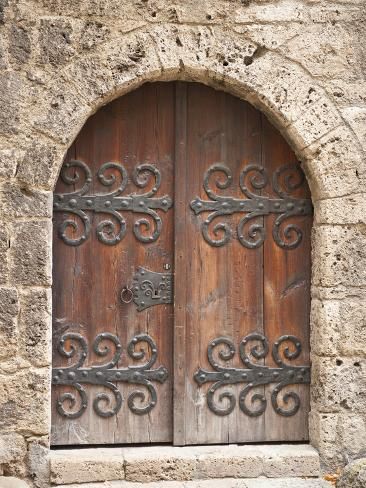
(126,295)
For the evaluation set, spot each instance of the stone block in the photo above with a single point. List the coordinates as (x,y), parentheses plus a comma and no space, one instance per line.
(30,253)
(9,161)
(38,461)
(159,464)
(356,117)
(231,462)
(11,85)
(9,308)
(62,113)
(92,76)
(12,482)
(325,336)
(283,11)
(21,201)
(87,465)
(335,165)
(40,164)
(339,384)
(354,475)
(323,50)
(352,428)
(314,123)
(4,260)
(290,461)
(12,448)
(35,325)
(19,44)
(339,327)
(56,41)
(344,210)
(337,254)
(25,402)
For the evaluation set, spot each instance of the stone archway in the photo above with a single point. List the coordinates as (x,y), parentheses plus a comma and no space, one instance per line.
(53,112)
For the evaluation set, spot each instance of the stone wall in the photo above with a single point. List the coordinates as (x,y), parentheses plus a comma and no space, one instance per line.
(302,62)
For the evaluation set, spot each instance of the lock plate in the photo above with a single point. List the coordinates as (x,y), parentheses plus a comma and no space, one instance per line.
(151,288)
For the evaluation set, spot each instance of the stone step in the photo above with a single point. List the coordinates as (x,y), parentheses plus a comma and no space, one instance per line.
(169,463)
(214,483)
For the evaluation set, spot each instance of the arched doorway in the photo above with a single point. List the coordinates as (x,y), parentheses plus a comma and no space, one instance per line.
(181,275)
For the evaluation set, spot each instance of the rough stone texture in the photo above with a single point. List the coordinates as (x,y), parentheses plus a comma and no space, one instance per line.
(214,483)
(12,482)
(302,62)
(30,253)
(152,464)
(354,476)
(87,465)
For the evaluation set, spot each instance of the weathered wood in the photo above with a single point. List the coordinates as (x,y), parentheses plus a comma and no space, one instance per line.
(88,279)
(227,291)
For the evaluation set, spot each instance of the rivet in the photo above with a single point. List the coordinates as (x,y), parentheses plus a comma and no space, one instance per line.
(85,374)
(226,376)
(165,202)
(56,378)
(202,377)
(199,205)
(89,203)
(153,404)
(108,203)
(290,206)
(72,202)
(260,205)
(244,375)
(118,375)
(124,204)
(71,375)
(277,205)
(141,203)
(213,344)
(99,374)
(154,189)
(260,375)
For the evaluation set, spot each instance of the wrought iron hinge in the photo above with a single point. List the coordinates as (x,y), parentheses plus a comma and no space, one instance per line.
(254,375)
(106,375)
(150,288)
(286,180)
(80,202)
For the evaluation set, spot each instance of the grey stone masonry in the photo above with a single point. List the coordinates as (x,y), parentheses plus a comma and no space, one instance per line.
(301,62)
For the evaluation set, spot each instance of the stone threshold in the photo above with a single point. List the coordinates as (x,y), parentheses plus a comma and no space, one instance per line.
(182,464)
(216,483)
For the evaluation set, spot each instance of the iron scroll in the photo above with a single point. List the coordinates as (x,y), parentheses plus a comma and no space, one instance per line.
(107,375)
(253,178)
(254,375)
(80,202)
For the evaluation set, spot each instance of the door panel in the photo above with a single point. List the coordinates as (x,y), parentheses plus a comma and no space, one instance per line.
(246,282)
(176,185)
(135,130)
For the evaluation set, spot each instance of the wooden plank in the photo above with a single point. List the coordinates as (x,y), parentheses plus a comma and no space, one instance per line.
(138,128)
(181,263)
(223,284)
(287,277)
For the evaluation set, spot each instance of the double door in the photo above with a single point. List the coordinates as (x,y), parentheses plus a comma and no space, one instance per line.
(181,269)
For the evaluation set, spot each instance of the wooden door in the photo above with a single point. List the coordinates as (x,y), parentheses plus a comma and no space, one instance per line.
(213,203)
(117,186)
